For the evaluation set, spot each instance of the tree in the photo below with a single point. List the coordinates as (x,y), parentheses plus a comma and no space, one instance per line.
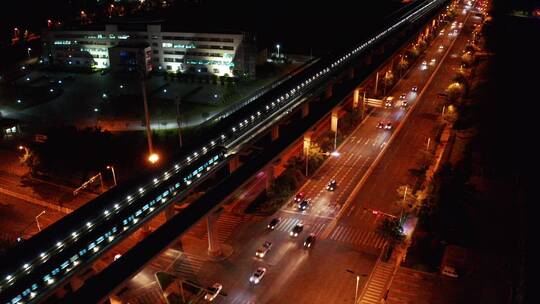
(450,116)
(391,230)
(405,199)
(467,59)
(422,45)
(413,52)
(403,64)
(454,91)
(388,80)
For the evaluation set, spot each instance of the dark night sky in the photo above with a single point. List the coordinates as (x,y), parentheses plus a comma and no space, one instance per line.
(304,24)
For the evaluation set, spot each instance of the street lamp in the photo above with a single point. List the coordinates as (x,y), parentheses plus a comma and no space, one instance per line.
(278,46)
(357,283)
(153,158)
(28,51)
(335,138)
(113,173)
(37,222)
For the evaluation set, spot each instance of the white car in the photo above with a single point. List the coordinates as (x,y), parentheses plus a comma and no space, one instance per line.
(257,276)
(389,102)
(261,252)
(213,292)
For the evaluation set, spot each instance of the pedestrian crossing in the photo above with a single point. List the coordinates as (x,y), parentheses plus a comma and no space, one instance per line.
(146,296)
(375,288)
(226,223)
(358,236)
(287,225)
(188,266)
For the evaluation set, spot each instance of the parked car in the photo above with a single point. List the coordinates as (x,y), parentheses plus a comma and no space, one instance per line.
(213,292)
(449,271)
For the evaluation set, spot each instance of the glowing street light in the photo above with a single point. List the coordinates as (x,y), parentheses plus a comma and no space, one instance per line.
(28,52)
(278,46)
(113,174)
(153,158)
(37,222)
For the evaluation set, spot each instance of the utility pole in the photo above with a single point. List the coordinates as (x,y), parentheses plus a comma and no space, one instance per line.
(178,121)
(307,161)
(376,84)
(403,204)
(37,222)
(146,115)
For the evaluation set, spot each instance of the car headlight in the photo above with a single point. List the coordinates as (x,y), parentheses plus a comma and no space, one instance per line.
(291,233)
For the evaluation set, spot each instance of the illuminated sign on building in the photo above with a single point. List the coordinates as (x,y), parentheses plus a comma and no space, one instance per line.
(63,42)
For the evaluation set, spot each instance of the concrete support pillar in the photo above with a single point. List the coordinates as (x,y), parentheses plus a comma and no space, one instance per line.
(363,106)
(234,163)
(275,133)
(329,90)
(144,231)
(368,59)
(214,247)
(115,300)
(335,119)
(305,109)
(169,212)
(269,172)
(356,94)
(376,84)
(307,142)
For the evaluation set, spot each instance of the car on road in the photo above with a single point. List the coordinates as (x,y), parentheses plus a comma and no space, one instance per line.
(257,276)
(297,229)
(432,61)
(332,184)
(384,125)
(414,89)
(298,197)
(273,223)
(404,103)
(388,101)
(424,62)
(213,292)
(403,96)
(304,205)
(310,240)
(441,47)
(263,250)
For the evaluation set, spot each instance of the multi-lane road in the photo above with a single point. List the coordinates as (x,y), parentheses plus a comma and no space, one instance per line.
(346,230)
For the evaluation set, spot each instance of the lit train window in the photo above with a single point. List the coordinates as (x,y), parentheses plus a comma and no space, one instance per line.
(64,265)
